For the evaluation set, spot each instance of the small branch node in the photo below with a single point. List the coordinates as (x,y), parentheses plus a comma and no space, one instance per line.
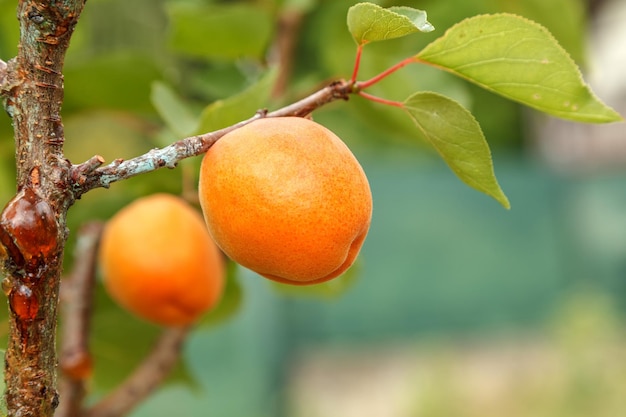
(80,172)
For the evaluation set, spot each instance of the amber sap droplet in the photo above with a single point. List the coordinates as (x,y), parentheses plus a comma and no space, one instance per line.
(3,253)
(24,303)
(7,286)
(4,256)
(29,222)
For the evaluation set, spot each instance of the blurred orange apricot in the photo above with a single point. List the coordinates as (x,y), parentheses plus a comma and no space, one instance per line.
(159,262)
(286,198)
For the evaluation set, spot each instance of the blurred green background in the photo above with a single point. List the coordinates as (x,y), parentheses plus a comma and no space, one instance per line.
(447,279)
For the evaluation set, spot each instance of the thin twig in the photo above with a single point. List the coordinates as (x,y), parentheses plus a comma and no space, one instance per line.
(169,156)
(146,377)
(284,48)
(77,302)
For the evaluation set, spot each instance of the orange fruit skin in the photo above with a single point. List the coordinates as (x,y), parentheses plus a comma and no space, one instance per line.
(286,198)
(159,262)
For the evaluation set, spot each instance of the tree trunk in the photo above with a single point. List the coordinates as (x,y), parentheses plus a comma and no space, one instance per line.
(32,226)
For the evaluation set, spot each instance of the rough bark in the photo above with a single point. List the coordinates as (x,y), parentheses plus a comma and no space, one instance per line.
(32,227)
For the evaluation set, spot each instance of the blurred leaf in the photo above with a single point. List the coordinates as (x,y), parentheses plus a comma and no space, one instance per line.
(9,29)
(520,60)
(219,31)
(231,300)
(368,22)
(120,342)
(176,114)
(109,25)
(119,81)
(224,113)
(107,133)
(220,79)
(456,135)
(300,5)
(7,182)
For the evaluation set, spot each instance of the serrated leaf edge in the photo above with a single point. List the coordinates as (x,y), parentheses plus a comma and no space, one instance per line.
(615,116)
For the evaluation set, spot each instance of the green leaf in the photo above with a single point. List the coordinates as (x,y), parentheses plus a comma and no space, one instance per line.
(176,114)
(456,135)
(224,113)
(118,81)
(219,31)
(369,22)
(9,30)
(520,60)
(567,20)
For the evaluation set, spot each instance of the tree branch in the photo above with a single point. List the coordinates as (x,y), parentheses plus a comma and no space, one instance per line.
(88,175)
(77,300)
(145,379)
(283,50)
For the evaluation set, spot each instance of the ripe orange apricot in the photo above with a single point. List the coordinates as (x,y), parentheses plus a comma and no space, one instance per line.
(286,198)
(159,262)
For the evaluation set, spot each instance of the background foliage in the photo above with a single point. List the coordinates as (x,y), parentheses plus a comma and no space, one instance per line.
(440,259)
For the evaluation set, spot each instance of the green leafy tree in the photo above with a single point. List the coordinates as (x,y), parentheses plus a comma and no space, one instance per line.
(501,53)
